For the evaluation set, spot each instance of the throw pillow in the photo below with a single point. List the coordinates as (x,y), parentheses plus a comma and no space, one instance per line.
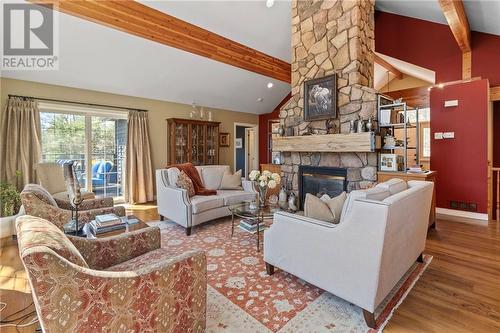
(173,174)
(317,209)
(212,176)
(184,182)
(231,181)
(336,204)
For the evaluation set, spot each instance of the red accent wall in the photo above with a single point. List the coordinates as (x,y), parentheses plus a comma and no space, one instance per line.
(461,162)
(263,129)
(486,57)
(432,45)
(423,43)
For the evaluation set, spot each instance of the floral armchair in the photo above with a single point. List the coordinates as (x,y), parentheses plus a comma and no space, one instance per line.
(125,283)
(38,202)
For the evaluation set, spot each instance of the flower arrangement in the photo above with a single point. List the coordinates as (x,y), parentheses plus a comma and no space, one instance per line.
(264,180)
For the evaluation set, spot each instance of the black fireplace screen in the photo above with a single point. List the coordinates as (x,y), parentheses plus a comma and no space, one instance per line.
(321,180)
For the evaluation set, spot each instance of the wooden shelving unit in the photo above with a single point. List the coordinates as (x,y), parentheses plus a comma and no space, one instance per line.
(399,116)
(195,141)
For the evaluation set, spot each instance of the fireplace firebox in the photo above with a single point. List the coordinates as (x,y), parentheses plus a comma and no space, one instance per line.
(321,180)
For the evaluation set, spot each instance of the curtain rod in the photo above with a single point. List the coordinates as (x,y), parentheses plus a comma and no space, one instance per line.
(80,103)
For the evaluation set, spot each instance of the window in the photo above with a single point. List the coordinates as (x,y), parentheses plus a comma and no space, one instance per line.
(94,139)
(425,141)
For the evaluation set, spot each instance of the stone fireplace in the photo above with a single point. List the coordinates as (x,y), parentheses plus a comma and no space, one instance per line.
(328,37)
(321,180)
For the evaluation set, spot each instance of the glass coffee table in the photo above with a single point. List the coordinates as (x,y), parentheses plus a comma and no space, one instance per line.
(254,217)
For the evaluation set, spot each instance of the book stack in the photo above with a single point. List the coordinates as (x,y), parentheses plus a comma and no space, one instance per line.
(250,225)
(106,223)
(415,169)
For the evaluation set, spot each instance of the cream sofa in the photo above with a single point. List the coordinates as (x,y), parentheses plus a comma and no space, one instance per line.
(175,204)
(363,257)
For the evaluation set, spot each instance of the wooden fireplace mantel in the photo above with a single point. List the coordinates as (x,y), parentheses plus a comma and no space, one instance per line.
(366,142)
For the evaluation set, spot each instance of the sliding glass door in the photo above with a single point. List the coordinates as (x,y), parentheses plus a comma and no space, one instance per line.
(95,142)
(63,140)
(109,139)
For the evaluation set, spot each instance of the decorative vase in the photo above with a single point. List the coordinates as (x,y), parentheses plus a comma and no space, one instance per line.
(283,197)
(292,202)
(262,195)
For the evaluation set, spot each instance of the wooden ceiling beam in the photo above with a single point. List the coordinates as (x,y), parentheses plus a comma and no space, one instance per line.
(143,21)
(382,62)
(454,12)
(495,94)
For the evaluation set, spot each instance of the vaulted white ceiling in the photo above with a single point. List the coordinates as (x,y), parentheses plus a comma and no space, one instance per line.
(482,14)
(103,59)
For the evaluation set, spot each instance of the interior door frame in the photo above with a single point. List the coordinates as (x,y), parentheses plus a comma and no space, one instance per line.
(256,143)
(248,168)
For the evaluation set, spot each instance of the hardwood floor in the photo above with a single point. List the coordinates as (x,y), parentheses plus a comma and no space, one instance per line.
(459,291)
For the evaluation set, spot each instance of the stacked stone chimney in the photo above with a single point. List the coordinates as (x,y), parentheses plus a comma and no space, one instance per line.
(332,36)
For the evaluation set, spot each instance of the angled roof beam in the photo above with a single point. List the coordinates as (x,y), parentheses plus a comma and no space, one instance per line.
(143,21)
(397,73)
(454,13)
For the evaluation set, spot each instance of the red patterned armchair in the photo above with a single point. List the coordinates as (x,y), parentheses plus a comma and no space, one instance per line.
(125,283)
(38,202)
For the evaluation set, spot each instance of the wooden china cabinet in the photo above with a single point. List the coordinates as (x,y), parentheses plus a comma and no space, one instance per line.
(195,141)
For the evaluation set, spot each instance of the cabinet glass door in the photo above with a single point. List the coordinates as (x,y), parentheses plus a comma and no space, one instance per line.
(197,144)
(212,137)
(181,143)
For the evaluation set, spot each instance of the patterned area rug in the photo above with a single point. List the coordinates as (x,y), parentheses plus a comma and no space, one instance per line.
(243,298)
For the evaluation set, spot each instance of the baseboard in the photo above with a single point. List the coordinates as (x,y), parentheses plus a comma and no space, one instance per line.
(460,215)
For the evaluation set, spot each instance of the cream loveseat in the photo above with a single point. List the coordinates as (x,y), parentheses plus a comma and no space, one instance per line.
(363,257)
(175,204)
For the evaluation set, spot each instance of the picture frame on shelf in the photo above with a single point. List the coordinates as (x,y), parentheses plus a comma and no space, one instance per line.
(320,98)
(385,117)
(224,140)
(388,162)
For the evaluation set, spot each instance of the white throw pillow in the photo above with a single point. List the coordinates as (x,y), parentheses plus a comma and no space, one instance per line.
(212,177)
(231,181)
(394,185)
(173,175)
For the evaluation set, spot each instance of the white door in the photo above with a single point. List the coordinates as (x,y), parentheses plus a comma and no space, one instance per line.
(250,151)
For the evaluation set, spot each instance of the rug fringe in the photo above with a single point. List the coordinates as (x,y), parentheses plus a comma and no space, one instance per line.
(405,294)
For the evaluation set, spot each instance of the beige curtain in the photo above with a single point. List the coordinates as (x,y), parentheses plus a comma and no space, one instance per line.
(139,172)
(20,141)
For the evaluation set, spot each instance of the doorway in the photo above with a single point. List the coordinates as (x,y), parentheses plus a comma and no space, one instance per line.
(246,148)
(495,177)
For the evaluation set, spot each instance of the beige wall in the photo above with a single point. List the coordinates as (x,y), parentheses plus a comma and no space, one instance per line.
(158,112)
(406,82)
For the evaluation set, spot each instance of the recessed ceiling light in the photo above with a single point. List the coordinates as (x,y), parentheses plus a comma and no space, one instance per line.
(260,99)
(270,85)
(269,3)
(429,89)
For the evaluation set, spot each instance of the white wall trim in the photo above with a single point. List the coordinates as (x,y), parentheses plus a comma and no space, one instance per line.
(453,214)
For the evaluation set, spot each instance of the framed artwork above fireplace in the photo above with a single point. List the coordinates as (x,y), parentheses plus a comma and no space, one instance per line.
(320,98)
